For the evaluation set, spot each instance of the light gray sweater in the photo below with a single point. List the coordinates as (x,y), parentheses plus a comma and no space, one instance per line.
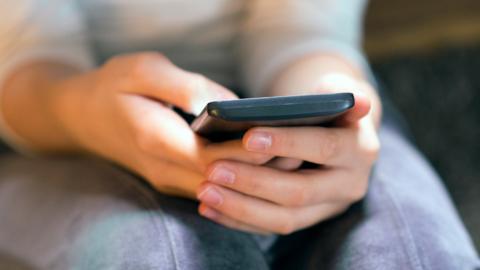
(235,42)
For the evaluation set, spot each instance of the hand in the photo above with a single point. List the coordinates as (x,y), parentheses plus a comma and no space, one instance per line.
(122,111)
(267,200)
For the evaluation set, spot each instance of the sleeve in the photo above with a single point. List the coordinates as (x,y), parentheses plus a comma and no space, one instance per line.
(39,29)
(276,33)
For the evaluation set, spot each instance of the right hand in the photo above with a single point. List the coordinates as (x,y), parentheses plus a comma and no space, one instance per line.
(122,111)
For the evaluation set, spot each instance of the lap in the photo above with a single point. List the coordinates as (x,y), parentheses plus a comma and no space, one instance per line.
(406,221)
(86,214)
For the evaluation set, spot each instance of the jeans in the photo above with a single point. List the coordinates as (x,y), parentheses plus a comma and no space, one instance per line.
(75,213)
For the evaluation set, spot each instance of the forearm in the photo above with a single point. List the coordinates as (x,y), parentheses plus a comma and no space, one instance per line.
(323,72)
(28,98)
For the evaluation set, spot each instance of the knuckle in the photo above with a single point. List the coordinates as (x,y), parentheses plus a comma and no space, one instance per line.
(141,67)
(241,211)
(300,196)
(252,184)
(110,67)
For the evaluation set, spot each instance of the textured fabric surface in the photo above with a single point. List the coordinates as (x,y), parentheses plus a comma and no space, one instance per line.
(87,214)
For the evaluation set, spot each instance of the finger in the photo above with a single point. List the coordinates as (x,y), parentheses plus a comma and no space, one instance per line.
(164,134)
(153,75)
(160,132)
(360,109)
(170,178)
(289,188)
(314,144)
(218,217)
(234,151)
(255,212)
(338,82)
(262,214)
(285,164)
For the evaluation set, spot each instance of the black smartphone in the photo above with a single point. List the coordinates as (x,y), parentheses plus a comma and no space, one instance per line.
(224,120)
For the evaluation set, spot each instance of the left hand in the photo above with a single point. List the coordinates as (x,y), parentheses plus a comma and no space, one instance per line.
(279,198)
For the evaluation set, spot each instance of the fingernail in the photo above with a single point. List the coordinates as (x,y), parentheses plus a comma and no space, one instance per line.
(210,196)
(259,141)
(221,175)
(208,212)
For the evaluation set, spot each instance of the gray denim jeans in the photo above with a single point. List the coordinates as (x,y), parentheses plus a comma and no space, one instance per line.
(87,214)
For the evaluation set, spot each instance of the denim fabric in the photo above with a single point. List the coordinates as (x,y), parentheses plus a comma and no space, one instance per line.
(88,214)
(406,221)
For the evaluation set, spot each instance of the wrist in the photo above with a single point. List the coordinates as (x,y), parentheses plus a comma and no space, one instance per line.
(67,105)
(27,106)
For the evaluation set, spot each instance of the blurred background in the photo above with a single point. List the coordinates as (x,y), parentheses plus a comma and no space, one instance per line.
(426,54)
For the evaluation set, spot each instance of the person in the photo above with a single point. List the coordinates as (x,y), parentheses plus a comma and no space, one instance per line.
(101,78)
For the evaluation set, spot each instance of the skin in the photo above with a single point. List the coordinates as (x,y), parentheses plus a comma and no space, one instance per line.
(122,111)
(270,200)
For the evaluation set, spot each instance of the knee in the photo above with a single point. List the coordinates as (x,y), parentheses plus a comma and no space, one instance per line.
(128,240)
(154,239)
(409,217)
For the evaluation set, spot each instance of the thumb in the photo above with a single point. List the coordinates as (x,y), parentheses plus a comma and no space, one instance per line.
(339,82)
(360,109)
